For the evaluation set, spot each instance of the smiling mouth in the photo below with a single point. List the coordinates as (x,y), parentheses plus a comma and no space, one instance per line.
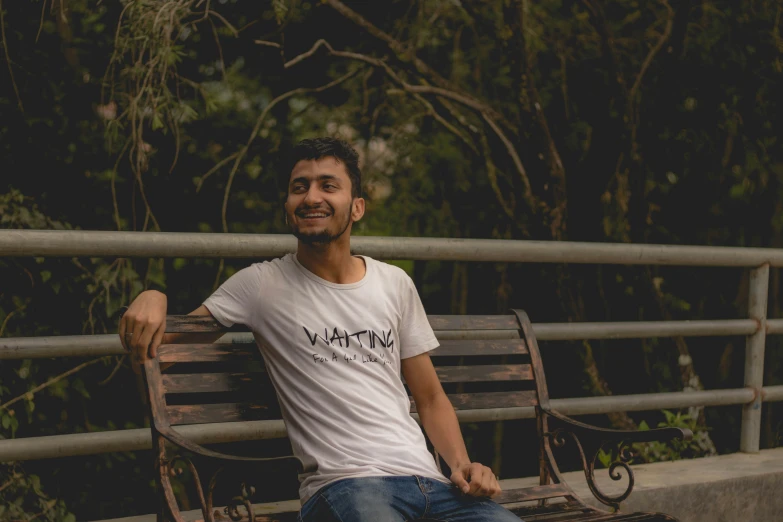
(312,215)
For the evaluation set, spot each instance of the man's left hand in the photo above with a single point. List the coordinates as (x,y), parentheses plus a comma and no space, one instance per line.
(476,480)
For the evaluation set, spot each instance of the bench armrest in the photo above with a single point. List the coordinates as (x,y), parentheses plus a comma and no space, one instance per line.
(610,435)
(589,441)
(304,464)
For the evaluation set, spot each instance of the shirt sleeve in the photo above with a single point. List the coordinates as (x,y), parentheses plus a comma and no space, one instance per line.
(232,302)
(416,334)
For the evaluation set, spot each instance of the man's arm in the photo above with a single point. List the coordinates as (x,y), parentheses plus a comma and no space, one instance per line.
(145,321)
(441,425)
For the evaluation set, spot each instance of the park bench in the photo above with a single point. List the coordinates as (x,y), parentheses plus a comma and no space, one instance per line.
(484,362)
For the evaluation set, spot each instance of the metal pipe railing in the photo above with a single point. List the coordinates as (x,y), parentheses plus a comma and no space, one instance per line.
(102,345)
(71,243)
(754,359)
(166,244)
(53,446)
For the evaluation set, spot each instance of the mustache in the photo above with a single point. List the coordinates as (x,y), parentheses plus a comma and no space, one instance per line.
(303,210)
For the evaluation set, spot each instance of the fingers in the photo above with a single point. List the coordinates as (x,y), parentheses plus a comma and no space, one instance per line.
(494,486)
(459,480)
(122,331)
(157,339)
(142,326)
(483,482)
(476,479)
(138,349)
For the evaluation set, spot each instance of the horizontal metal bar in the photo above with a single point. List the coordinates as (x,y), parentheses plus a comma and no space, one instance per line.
(775,326)
(772,393)
(101,345)
(180,244)
(651,401)
(53,446)
(639,329)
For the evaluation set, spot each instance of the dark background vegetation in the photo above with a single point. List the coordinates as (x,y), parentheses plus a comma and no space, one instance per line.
(563,120)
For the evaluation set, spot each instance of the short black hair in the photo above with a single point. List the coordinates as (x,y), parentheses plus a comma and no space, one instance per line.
(328,147)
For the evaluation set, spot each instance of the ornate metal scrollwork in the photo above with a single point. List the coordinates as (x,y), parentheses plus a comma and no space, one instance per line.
(558,440)
(232,510)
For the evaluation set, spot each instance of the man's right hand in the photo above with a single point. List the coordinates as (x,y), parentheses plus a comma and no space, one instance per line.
(142,326)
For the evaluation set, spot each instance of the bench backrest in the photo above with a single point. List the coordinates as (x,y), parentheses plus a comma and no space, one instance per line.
(483,362)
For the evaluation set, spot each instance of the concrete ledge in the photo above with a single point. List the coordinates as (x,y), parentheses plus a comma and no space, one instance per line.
(728,488)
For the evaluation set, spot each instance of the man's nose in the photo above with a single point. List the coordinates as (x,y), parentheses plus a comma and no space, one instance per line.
(313,196)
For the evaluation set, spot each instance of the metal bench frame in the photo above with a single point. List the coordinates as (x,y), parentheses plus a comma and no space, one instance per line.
(476,335)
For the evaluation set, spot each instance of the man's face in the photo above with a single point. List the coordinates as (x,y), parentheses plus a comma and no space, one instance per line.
(319,206)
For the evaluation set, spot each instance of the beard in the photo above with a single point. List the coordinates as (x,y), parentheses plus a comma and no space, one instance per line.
(324,236)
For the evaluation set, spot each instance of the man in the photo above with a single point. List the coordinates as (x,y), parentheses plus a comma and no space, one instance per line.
(337,331)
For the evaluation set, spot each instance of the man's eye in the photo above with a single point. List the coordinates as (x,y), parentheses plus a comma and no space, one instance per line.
(297,188)
(330,186)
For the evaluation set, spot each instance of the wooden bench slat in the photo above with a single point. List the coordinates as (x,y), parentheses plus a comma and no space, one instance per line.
(561,511)
(484,400)
(473,322)
(197,324)
(229,412)
(533,493)
(207,352)
(227,382)
(485,373)
(224,412)
(228,352)
(212,382)
(464,348)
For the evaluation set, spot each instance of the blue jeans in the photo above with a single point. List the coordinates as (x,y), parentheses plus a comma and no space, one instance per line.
(399,499)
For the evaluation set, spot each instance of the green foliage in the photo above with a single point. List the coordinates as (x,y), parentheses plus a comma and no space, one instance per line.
(665,451)
(676,449)
(22,498)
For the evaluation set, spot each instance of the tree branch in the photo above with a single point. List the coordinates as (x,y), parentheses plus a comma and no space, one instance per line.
(440,119)
(214,169)
(49,383)
(653,52)
(486,111)
(493,179)
(8,58)
(529,198)
(396,46)
(556,167)
(408,56)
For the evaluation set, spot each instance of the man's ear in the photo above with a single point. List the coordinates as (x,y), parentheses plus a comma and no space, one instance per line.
(357,209)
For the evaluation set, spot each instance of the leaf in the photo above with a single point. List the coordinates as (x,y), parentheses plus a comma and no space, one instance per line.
(281,10)
(737,191)
(157,123)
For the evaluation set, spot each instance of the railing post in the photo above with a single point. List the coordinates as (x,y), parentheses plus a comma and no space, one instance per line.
(754,359)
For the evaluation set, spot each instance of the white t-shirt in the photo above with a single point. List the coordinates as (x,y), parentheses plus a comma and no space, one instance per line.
(333,352)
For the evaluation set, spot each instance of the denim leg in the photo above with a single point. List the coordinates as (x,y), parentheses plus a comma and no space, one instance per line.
(366,499)
(449,504)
